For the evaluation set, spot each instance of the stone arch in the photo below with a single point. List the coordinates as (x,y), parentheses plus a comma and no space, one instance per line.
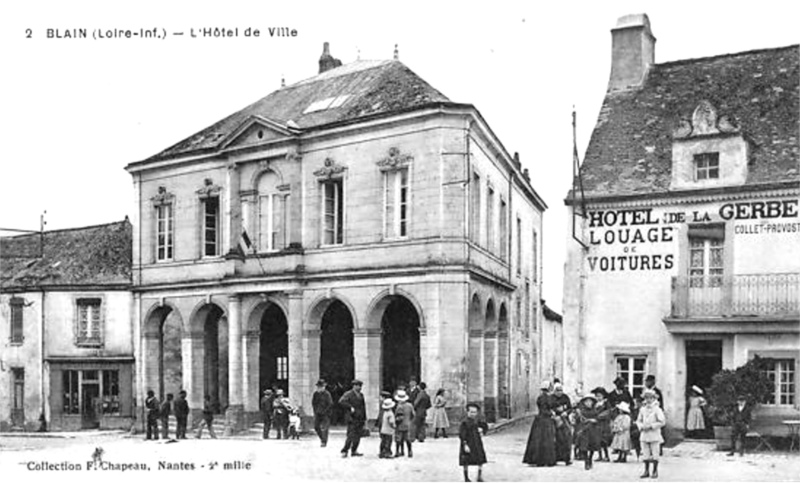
(269,168)
(379,303)
(316,310)
(490,362)
(475,315)
(209,324)
(475,326)
(199,312)
(267,346)
(503,358)
(256,311)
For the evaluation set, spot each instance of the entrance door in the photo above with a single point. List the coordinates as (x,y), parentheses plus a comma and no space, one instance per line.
(274,350)
(400,344)
(90,400)
(336,362)
(18,403)
(703,360)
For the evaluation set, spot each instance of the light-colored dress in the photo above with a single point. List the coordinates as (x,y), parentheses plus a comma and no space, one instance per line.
(694,418)
(621,428)
(440,420)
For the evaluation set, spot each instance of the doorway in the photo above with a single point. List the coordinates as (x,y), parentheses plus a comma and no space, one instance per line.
(400,361)
(273,357)
(703,360)
(18,406)
(336,361)
(90,400)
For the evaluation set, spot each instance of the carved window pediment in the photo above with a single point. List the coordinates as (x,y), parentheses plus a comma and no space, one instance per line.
(395,160)
(705,122)
(330,170)
(209,189)
(163,197)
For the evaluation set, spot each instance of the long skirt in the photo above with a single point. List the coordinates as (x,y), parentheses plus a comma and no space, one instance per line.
(563,442)
(541,448)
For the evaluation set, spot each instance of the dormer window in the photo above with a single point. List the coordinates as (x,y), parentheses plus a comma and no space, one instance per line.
(706,166)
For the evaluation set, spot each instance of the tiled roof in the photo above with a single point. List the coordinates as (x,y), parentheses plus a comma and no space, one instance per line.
(371,87)
(550,314)
(630,151)
(94,255)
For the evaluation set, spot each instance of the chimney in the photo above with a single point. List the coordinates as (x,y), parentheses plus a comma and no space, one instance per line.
(326,60)
(632,52)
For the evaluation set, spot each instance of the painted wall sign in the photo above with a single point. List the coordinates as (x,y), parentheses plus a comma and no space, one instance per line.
(629,229)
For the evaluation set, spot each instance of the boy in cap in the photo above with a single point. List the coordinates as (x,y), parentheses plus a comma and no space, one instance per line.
(321,403)
(650,421)
(355,415)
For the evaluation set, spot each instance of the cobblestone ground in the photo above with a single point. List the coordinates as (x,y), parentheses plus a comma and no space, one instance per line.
(250,458)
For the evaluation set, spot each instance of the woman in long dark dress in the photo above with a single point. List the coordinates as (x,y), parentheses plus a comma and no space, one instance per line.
(471,452)
(561,408)
(541,448)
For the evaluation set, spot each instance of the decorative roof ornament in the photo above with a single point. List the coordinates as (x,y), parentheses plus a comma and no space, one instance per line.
(396,53)
(705,121)
(395,160)
(330,170)
(208,189)
(163,197)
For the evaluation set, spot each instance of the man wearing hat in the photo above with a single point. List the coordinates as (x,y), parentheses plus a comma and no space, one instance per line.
(355,415)
(321,403)
(280,414)
(741,415)
(620,393)
(266,411)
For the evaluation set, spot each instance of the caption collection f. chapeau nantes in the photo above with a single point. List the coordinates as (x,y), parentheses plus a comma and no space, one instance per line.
(136,466)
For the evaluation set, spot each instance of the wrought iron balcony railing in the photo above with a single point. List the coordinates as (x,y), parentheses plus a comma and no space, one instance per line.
(770,295)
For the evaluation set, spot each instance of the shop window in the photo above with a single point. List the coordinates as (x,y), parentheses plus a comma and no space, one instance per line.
(782,374)
(89,323)
(70,385)
(632,369)
(110,391)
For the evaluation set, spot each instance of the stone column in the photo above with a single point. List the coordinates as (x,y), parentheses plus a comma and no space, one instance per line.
(367,354)
(251,392)
(234,420)
(299,388)
(232,222)
(490,376)
(475,366)
(193,354)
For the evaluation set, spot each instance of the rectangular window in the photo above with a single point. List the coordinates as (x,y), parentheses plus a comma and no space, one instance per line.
(89,322)
(70,384)
(332,212)
(518,311)
(164,229)
(211,229)
(503,230)
(18,393)
(519,245)
(528,321)
(490,233)
(535,258)
(519,363)
(395,201)
(706,166)
(782,374)
(110,392)
(17,306)
(633,370)
(475,207)
(282,365)
(272,222)
(706,250)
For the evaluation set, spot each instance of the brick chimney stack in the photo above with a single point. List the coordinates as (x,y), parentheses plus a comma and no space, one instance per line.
(633,48)
(326,60)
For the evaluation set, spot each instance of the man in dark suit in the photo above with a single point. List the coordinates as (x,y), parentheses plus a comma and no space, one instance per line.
(165,410)
(321,403)
(620,393)
(421,405)
(181,407)
(151,406)
(266,411)
(741,415)
(355,415)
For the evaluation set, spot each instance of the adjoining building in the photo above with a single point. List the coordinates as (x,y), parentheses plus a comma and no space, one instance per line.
(688,253)
(551,342)
(357,224)
(65,329)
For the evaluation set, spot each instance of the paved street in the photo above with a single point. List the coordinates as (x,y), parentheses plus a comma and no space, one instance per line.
(435,460)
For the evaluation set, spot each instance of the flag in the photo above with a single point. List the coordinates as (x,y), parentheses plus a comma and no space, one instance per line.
(245,245)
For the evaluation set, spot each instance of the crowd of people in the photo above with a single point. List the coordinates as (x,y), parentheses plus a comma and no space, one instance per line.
(596,423)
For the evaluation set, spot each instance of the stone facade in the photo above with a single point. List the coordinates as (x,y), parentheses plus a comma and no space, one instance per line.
(340,284)
(687,258)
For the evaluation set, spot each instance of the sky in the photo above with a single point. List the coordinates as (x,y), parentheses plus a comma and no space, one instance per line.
(75,112)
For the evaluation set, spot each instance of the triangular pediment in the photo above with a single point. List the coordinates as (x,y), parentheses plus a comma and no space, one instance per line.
(257,130)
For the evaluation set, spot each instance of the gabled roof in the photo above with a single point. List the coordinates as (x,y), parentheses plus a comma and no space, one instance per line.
(345,93)
(550,314)
(89,256)
(630,151)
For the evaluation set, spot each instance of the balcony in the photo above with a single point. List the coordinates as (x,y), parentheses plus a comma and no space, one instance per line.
(764,296)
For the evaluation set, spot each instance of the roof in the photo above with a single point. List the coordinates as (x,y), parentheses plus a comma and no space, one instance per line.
(89,256)
(550,314)
(630,151)
(358,89)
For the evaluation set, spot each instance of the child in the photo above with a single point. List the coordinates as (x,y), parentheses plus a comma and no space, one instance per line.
(604,417)
(440,421)
(622,435)
(650,421)
(589,435)
(694,418)
(387,426)
(471,452)
(404,415)
(294,424)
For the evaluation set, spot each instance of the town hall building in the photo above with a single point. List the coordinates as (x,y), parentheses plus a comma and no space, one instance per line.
(685,258)
(357,224)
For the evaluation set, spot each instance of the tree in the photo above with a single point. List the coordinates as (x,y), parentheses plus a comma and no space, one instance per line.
(750,381)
